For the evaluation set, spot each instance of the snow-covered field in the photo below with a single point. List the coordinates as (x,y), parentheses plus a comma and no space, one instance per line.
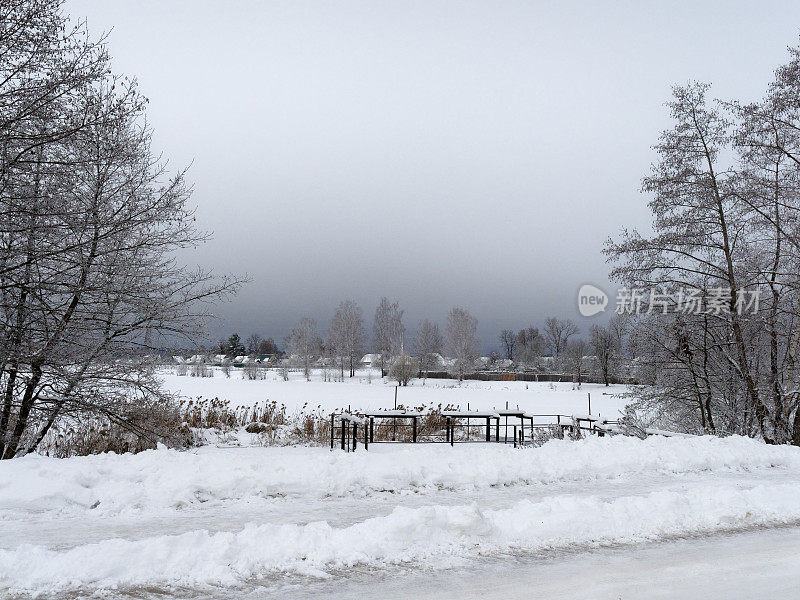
(400,521)
(368,391)
(269,522)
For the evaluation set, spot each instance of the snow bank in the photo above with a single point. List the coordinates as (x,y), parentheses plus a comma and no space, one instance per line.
(168,480)
(431,536)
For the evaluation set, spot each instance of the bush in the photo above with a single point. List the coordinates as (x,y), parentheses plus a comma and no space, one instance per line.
(404,369)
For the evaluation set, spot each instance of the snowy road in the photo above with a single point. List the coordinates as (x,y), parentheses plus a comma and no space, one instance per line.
(604,518)
(744,565)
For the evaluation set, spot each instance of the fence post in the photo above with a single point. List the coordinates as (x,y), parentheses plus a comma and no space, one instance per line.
(414,429)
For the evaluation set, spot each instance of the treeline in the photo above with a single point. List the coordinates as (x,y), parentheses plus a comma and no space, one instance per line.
(725,198)
(559,348)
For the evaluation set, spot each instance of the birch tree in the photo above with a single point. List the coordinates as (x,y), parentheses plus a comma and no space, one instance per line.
(347,335)
(305,343)
(388,331)
(429,346)
(461,340)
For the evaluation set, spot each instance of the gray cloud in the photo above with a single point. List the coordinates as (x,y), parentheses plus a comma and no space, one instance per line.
(438,153)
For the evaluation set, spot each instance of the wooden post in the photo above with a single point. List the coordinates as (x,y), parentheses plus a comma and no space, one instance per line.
(333,428)
(414,429)
(344,434)
(488,429)
(355,435)
(371,429)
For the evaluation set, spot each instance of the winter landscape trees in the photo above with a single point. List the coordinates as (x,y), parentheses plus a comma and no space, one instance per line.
(387,330)
(347,335)
(90,222)
(461,340)
(725,203)
(304,342)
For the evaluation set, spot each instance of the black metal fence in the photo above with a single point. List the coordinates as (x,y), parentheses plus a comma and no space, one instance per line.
(348,430)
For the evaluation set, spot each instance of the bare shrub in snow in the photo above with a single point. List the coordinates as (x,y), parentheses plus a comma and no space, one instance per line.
(404,368)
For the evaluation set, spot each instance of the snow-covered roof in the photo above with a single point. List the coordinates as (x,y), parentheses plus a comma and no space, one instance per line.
(468,414)
(514,412)
(392,413)
(352,418)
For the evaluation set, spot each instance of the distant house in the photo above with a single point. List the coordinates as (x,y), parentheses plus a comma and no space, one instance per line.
(371,360)
(482,362)
(504,363)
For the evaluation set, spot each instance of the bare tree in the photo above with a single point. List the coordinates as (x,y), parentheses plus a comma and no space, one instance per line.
(429,344)
(604,342)
(725,200)
(305,343)
(557,334)
(90,220)
(509,341)
(253,342)
(461,340)
(529,345)
(347,335)
(388,331)
(576,350)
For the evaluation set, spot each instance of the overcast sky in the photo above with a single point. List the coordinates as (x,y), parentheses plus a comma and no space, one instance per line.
(439,153)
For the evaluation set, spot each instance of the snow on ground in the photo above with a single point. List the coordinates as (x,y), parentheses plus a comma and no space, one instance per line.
(255,520)
(368,391)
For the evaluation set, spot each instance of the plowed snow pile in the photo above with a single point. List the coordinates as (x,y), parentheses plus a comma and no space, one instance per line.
(164,483)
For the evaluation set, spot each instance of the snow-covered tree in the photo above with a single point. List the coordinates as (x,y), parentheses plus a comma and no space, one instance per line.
(461,339)
(304,343)
(429,346)
(347,335)
(387,331)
